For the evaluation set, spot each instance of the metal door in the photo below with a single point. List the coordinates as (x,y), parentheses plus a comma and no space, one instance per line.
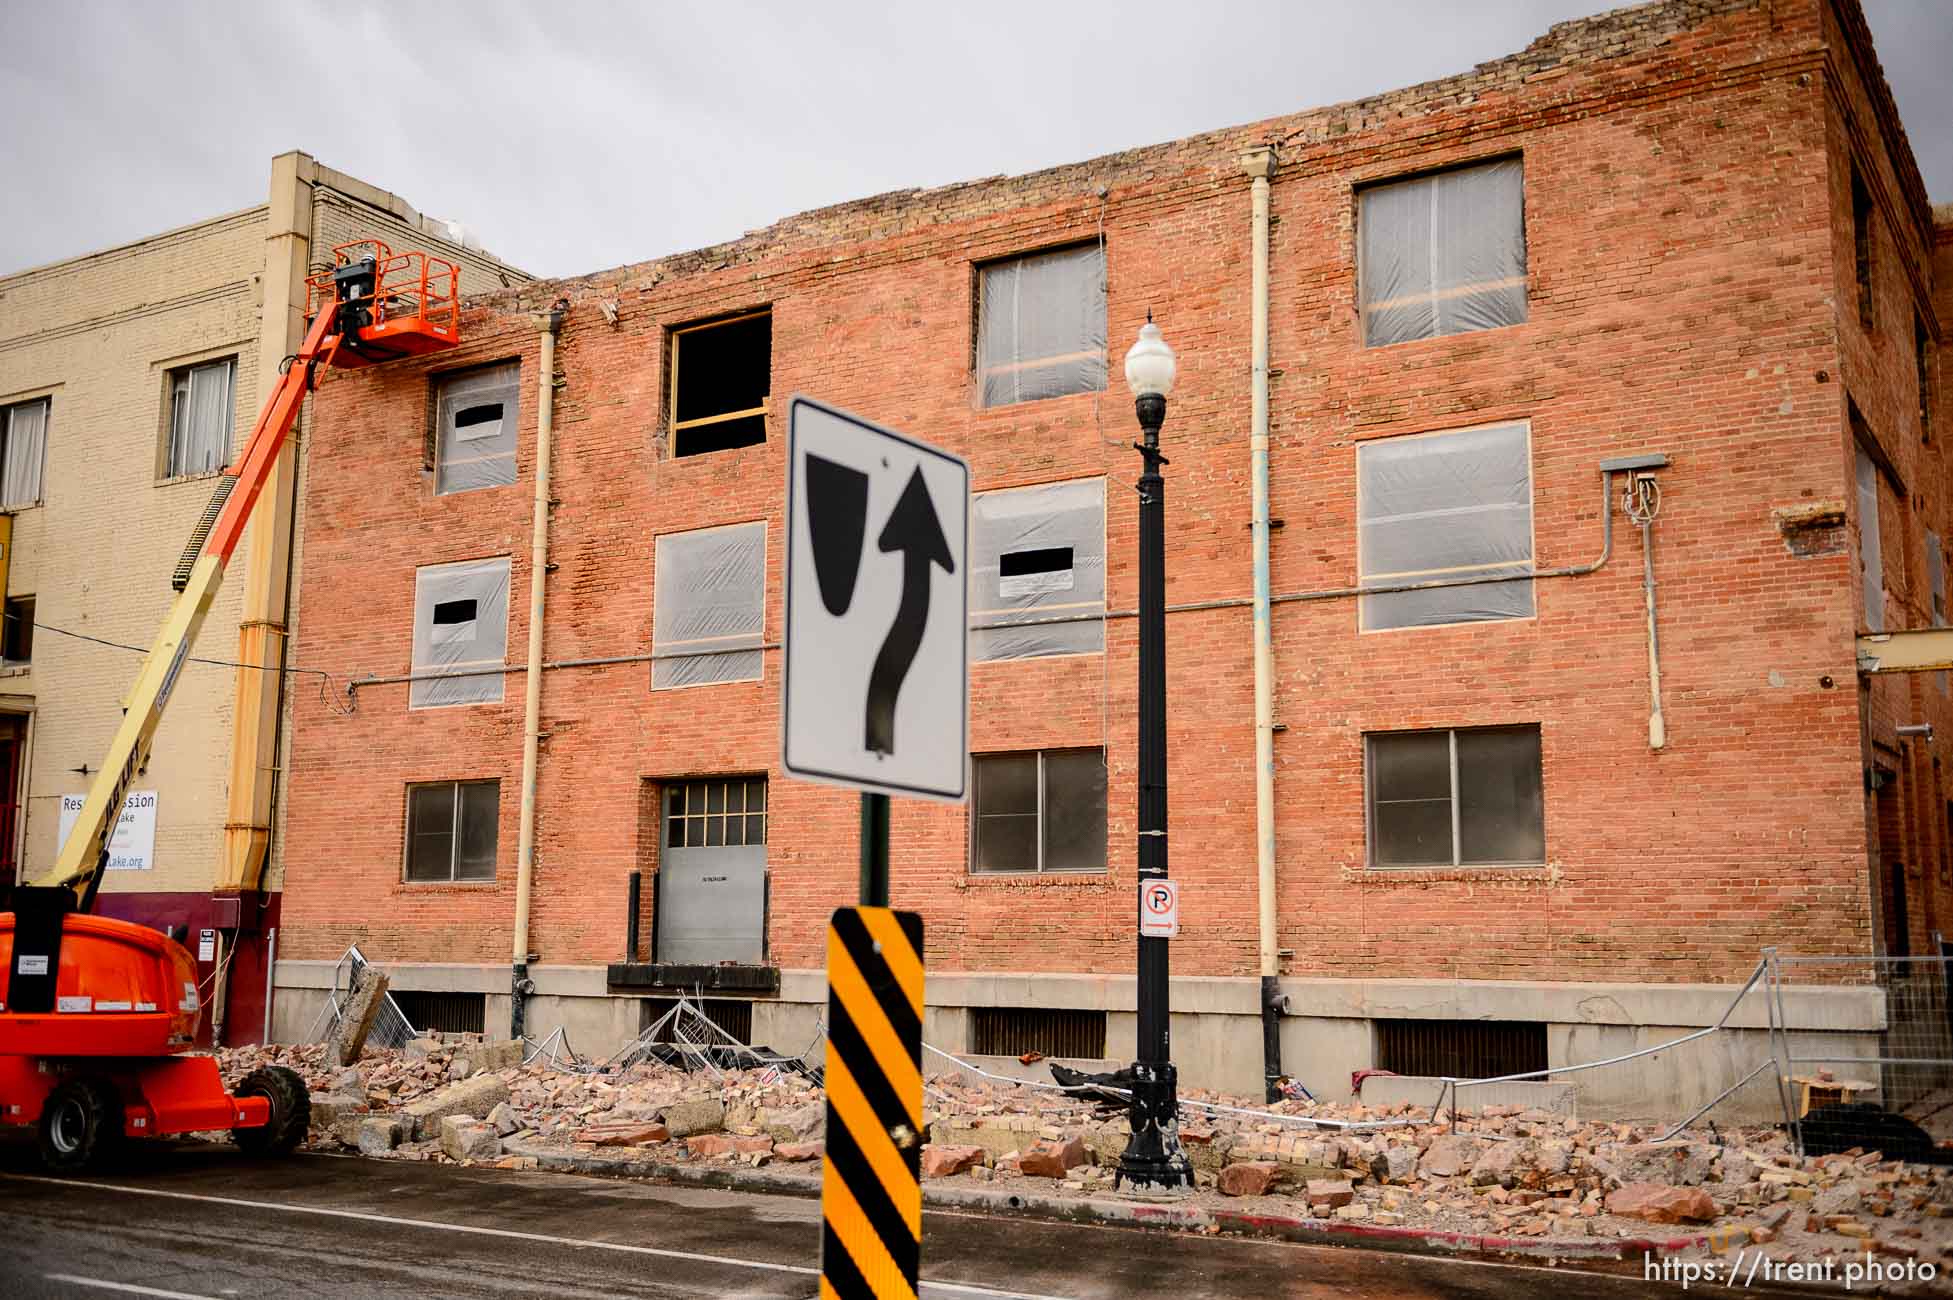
(712,871)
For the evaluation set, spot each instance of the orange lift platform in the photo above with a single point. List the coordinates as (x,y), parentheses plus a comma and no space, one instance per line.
(99,1015)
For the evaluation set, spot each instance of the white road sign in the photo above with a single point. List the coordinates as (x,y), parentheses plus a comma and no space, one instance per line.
(1159,908)
(877,691)
(132,844)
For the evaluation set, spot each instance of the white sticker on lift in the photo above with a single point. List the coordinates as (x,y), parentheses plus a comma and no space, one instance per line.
(189,1002)
(112,1006)
(81,1003)
(145,1006)
(27,965)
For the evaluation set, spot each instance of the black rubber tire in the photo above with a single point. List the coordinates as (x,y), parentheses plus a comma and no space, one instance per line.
(1869,1127)
(81,1126)
(291,1111)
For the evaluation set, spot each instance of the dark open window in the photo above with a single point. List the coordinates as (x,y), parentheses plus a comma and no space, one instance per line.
(1922,369)
(721,378)
(1861,243)
(17,638)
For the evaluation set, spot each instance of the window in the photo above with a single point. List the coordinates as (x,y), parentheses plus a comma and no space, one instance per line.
(23,446)
(1038,555)
(1861,245)
(461,626)
(441,1013)
(17,638)
(201,401)
(451,830)
(1456,798)
(721,377)
(1041,326)
(474,428)
(1442,254)
(1871,564)
(721,812)
(1448,505)
(1041,811)
(709,597)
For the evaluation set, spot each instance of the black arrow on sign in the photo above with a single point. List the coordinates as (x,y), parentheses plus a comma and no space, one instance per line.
(914,530)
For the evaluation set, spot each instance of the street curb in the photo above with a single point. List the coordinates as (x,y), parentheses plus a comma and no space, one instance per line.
(632,1163)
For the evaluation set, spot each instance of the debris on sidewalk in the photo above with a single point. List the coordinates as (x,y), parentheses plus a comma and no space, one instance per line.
(1499,1171)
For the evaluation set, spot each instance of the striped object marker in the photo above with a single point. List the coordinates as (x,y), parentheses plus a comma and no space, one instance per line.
(871,1189)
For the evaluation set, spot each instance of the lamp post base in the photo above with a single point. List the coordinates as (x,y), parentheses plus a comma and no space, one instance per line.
(1153,1160)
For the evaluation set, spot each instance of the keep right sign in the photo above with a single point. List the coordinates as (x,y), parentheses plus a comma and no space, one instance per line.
(1159,908)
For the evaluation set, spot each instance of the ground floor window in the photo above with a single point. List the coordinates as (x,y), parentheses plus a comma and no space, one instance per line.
(451,830)
(1455,798)
(1039,811)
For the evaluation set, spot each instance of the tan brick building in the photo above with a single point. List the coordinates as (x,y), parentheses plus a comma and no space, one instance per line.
(1636,237)
(128,377)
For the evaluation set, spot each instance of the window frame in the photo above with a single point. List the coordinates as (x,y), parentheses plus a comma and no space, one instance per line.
(674,426)
(680,820)
(1530,577)
(167,470)
(978,370)
(437,442)
(7,410)
(1457,820)
(454,787)
(11,635)
(1375,183)
(975,818)
(422,686)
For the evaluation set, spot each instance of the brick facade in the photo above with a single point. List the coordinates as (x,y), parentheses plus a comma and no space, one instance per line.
(1690,291)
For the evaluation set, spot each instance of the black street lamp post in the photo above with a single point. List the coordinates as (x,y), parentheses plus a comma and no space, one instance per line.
(1153,1160)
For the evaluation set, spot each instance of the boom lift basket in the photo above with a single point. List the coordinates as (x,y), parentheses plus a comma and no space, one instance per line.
(390,304)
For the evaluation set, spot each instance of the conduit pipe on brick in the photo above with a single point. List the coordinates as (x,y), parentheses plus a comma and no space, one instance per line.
(520,985)
(1259,164)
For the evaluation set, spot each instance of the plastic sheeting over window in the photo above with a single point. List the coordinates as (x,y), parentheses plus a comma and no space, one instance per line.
(709,615)
(1936,583)
(461,622)
(1041,326)
(200,418)
(1443,254)
(24,426)
(1449,505)
(1871,563)
(1039,553)
(475,417)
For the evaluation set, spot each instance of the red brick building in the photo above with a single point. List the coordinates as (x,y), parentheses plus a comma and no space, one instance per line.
(1691,229)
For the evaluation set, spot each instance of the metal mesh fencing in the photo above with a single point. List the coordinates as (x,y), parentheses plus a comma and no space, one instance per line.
(391,1028)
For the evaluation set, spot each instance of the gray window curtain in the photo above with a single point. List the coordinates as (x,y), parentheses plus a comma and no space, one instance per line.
(1039,553)
(200,418)
(1450,505)
(25,450)
(1871,563)
(1041,326)
(475,437)
(461,622)
(708,608)
(1443,254)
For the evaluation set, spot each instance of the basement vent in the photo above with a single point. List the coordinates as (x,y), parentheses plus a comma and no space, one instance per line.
(1014,1031)
(733,1015)
(1472,1049)
(446,1013)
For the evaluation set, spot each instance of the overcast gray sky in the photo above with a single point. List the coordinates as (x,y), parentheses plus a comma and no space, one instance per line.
(575,136)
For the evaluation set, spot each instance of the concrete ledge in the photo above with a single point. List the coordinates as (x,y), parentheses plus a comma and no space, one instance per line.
(1555,1098)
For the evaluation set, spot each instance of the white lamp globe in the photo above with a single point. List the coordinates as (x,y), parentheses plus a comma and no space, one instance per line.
(1149,365)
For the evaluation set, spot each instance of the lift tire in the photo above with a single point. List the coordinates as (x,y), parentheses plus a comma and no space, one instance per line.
(81,1126)
(291,1111)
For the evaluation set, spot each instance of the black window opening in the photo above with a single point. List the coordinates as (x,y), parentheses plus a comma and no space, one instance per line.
(17,637)
(450,612)
(452,827)
(722,812)
(1456,798)
(1039,811)
(1898,927)
(442,1013)
(1017,1031)
(1462,1049)
(471,418)
(1861,244)
(1031,570)
(721,379)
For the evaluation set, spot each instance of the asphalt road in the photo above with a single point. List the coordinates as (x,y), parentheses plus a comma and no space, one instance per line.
(203,1221)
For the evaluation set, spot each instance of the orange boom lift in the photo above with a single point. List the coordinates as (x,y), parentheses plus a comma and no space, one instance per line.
(99,1015)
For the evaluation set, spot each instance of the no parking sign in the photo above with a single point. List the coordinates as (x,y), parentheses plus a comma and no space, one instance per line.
(1159,908)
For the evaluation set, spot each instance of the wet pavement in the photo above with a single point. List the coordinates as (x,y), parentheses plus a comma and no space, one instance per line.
(205,1221)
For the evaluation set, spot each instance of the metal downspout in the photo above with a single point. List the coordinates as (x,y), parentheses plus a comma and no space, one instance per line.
(521,986)
(1260,165)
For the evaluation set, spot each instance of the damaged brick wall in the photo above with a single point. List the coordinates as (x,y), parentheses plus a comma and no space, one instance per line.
(1684,282)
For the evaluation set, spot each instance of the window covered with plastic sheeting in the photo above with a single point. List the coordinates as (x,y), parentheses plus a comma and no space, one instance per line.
(1871,562)
(1041,326)
(23,448)
(461,624)
(200,418)
(475,415)
(1445,506)
(1038,554)
(1442,254)
(1455,798)
(1936,584)
(709,607)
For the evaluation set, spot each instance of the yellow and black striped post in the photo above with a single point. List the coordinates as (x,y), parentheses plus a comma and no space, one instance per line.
(871,1193)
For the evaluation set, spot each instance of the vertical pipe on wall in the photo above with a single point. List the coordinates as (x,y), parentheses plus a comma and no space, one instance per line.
(1260,165)
(525,855)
